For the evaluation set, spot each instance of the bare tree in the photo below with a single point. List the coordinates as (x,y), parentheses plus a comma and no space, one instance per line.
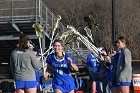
(127,19)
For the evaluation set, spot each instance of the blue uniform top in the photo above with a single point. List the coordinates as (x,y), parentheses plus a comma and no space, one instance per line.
(113,67)
(115,59)
(94,65)
(62,78)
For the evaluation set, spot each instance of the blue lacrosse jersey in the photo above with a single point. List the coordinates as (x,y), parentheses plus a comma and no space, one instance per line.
(115,59)
(62,78)
(93,63)
(113,67)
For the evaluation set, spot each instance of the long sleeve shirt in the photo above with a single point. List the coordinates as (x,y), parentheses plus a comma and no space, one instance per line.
(23,64)
(124,68)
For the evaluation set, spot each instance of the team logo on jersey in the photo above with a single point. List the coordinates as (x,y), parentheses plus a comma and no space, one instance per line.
(59,65)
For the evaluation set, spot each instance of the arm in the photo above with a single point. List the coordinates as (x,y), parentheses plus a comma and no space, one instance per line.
(35,63)
(48,71)
(74,66)
(127,64)
(49,68)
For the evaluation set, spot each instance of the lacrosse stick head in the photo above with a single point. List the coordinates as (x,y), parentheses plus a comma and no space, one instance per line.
(72,29)
(70,39)
(64,35)
(38,28)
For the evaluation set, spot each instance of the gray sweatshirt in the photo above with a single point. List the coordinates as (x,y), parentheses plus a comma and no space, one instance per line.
(23,64)
(124,68)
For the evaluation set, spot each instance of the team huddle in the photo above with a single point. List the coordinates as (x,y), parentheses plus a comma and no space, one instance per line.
(111,69)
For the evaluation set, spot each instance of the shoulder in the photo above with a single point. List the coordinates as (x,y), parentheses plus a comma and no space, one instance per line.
(50,55)
(126,51)
(30,52)
(67,54)
(91,55)
(16,51)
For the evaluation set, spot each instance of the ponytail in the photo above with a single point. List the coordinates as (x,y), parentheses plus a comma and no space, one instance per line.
(124,40)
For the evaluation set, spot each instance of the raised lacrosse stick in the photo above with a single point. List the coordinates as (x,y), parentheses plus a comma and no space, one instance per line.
(64,35)
(88,32)
(56,24)
(39,29)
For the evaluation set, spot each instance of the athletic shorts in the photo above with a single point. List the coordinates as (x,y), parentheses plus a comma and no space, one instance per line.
(25,84)
(117,83)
